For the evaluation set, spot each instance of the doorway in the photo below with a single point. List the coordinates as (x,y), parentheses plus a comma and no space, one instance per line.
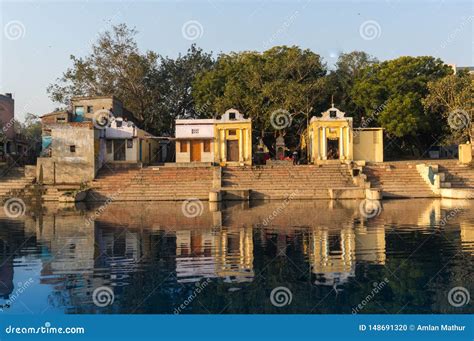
(333,149)
(233,150)
(119,150)
(195,151)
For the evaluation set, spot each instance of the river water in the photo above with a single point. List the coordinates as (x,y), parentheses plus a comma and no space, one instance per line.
(319,257)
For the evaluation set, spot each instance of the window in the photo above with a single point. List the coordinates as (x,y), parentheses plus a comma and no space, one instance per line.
(79,114)
(109,146)
(232,116)
(90,109)
(207,146)
(72,148)
(60,119)
(183,146)
(119,124)
(332,113)
(194,131)
(130,143)
(232,132)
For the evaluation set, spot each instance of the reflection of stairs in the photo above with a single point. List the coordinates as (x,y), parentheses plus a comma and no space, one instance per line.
(281,182)
(458,176)
(152,183)
(398,180)
(14,183)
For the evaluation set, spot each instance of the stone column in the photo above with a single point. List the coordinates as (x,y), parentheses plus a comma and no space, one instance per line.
(223,146)
(248,144)
(341,143)
(348,144)
(317,147)
(324,152)
(241,145)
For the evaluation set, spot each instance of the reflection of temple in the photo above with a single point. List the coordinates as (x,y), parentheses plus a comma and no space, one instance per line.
(467,237)
(227,254)
(333,253)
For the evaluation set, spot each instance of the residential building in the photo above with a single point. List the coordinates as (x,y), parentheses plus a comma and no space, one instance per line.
(13,146)
(224,141)
(75,146)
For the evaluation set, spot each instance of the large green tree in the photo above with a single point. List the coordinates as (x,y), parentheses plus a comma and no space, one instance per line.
(349,67)
(114,67)
(173,81)
(391,93)
(258,84)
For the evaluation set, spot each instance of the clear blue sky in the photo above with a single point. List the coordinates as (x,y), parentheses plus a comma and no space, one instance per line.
(49,32)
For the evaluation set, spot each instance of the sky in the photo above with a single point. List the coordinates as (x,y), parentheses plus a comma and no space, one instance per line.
(38,37)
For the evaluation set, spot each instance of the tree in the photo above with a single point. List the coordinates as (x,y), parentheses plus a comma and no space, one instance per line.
(452,97)
(115,67)
(173,80)
(259,84)
(349,68)
(393,92)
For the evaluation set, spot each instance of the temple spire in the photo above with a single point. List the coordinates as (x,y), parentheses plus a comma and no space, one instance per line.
(332,101)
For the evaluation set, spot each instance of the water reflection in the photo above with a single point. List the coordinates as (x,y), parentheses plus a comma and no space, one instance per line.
(153,256)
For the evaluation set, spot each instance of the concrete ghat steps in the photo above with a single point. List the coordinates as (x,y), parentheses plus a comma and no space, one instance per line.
(459,176)
(298,182)
(398,180)
(152,184)
(14,183)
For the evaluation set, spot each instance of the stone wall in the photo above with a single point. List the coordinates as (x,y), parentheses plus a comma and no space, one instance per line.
(72,155)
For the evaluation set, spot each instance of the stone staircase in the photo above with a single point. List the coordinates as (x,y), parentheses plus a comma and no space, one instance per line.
(398,180)
(14,183)
(121,183)
(297,182)
(456,175)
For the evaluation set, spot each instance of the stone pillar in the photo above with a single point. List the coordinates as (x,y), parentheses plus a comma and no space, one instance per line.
(341,143)
(223,146)
(348,143)
(248,144)
(316,150)
(324,152)
(241,145)
(217,146)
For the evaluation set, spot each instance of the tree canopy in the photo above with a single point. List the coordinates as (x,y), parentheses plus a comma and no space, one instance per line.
(411,97)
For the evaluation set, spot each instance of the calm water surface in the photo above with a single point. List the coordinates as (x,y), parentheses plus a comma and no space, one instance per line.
(159,258)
